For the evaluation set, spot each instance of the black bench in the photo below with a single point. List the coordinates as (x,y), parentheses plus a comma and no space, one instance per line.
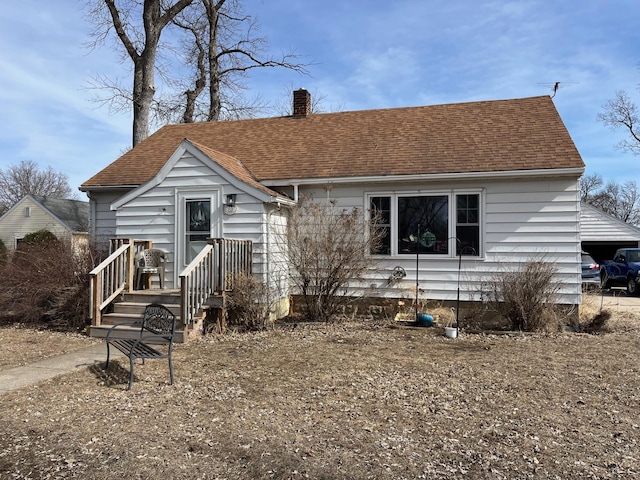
(157,328)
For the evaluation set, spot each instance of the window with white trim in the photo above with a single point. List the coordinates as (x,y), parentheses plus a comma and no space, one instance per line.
(468,223)
(382,208)
(427,223)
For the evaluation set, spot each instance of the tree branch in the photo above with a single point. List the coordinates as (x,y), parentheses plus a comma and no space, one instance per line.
(622,112)
(121,32)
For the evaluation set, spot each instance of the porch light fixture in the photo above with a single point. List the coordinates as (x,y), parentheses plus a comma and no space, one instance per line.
(230,204)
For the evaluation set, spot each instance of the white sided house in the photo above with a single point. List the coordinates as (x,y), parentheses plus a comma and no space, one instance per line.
(602,234)
(66,219)
(496,182)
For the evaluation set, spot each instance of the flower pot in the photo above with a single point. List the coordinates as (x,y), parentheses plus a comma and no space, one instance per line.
(450,332)
(424,320)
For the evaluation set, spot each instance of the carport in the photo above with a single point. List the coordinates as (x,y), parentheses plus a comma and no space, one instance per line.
(602,234)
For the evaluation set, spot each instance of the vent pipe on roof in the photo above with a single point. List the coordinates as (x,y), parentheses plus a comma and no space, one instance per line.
(301,103)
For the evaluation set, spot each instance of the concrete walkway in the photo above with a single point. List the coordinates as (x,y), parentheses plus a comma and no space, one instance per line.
(616,299)
(31,374)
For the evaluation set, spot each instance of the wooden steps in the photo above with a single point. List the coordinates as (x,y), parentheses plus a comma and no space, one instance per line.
(131,309)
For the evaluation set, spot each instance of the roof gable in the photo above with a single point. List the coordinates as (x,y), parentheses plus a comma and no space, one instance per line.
(492,136)
(237,169)
(227,167)
(70,214)
(597,225)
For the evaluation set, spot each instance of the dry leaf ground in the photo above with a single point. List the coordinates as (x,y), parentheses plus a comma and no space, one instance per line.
(350,401)
(20,345)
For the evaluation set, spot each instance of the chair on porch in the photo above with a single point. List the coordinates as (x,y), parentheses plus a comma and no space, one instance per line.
(149,261)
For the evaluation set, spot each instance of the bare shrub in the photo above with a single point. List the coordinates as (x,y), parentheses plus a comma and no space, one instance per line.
(249,303)
(598,323)
(525,296)
(3,253)
(45,280)
(593,318)
(327,250)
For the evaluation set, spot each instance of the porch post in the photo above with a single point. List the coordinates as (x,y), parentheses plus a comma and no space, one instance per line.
(130,265)
(96,297)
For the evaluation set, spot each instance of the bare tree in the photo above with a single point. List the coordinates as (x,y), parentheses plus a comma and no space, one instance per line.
(225,46)
(589,185)
(17,181)
(215,43)
(141,43)
(619,200)
(622,112)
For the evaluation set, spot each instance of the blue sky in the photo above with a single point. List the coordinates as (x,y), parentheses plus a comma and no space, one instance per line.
(366,54)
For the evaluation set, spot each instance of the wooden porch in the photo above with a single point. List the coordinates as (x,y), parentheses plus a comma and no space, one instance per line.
(202,285)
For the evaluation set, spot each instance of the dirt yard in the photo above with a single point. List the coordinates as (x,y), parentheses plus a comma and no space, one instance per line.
(352,401)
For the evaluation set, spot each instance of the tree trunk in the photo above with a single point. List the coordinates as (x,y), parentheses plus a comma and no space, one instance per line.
(144,62)
(214,98)
(143,92)
(214,67)
(144,71)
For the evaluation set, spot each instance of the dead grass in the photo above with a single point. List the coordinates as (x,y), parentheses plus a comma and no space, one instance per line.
(21,345)
(341,401)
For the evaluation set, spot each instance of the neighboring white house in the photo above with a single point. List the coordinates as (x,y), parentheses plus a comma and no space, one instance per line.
(602,234)
(498,179)
(66,219)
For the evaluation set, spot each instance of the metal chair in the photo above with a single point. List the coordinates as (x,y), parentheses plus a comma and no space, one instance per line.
(150,261)
(157,328)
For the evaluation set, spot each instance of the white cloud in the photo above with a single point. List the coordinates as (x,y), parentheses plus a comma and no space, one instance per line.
(368,54)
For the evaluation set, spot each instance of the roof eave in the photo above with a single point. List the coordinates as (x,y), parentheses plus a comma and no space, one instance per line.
(555,172)
(288,202)
(88,188)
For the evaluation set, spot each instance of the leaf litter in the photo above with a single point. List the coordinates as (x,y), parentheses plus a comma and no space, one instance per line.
(356,400)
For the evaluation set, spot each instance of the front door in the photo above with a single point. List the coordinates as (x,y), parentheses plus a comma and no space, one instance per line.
(198,220)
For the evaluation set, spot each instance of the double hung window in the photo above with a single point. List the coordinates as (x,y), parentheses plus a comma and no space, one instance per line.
(445,224)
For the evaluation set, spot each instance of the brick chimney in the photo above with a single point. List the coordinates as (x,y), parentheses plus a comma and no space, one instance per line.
(301,103)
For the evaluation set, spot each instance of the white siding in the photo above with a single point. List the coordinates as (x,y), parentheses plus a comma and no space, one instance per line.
(152,214)
(102,220)
(15,224)
(597,226)
(276,271)
(522,219)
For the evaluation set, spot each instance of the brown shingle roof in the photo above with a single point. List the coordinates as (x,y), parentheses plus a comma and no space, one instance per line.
(502,135)
(234,166)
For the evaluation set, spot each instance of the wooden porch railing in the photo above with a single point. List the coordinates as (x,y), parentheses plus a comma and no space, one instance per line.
(212,272)
(109,279)
(113,276)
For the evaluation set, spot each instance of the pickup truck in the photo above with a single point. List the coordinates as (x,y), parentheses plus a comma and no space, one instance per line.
(622,271)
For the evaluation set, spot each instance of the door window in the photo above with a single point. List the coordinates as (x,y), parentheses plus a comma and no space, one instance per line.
(197,227)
